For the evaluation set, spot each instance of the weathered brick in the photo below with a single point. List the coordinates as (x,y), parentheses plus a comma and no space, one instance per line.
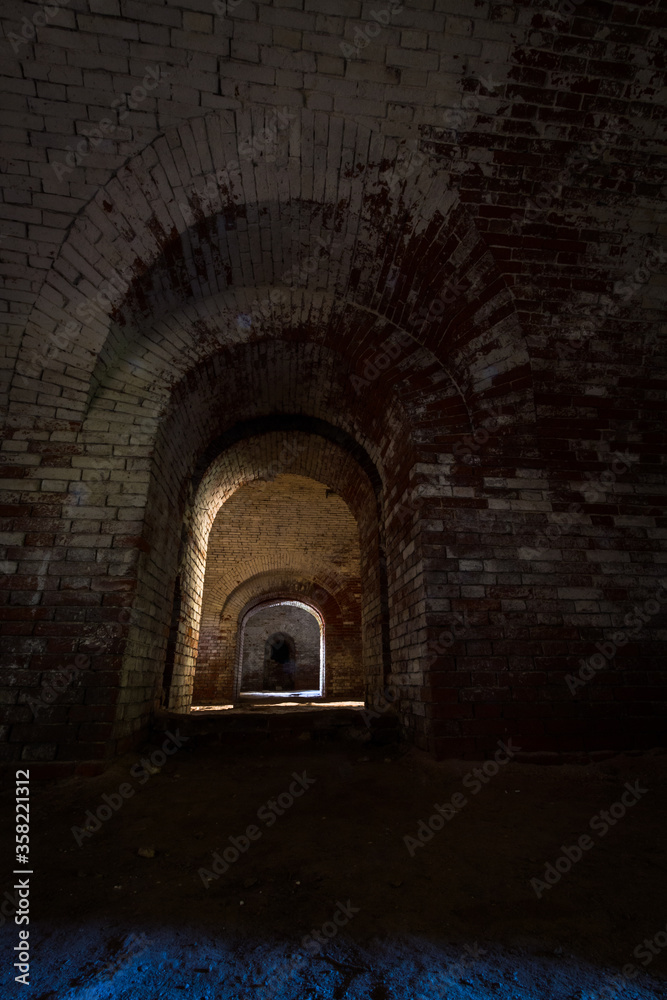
(480,185)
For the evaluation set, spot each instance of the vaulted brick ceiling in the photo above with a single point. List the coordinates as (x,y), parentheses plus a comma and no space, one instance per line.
(287,524)
(461,216)
(541,133)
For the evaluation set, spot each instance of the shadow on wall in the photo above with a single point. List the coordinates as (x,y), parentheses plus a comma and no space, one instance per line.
(280,664)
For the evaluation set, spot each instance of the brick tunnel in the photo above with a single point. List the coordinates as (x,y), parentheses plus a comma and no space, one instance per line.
(478,486)
(334,382)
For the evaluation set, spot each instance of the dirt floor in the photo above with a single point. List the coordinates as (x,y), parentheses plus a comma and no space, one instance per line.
(454,917)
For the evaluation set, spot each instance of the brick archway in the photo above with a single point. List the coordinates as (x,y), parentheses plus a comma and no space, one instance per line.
(300,681)
(323,460)
(407,262)
(326,592)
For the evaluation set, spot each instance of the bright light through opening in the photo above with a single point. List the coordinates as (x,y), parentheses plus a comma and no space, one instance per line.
(305,693)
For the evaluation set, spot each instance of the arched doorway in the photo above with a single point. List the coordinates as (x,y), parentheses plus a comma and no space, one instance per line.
(281,652)
(289,537)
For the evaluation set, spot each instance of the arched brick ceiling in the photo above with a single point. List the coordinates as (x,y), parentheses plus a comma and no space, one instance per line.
(512,152)
(326,591)
(258,461)
(286,525)
(226,569)
(211,336)
(363,247)
(482,120)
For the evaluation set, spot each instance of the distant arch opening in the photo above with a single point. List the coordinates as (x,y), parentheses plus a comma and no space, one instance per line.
(281,652)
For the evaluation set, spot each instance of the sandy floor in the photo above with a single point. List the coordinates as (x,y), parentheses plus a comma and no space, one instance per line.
(456,917)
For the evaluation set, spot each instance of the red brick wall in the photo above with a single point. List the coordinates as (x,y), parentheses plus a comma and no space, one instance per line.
(286,536)
(447,260)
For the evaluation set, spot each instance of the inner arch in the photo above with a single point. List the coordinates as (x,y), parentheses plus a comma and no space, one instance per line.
(288,542)
(276,663)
